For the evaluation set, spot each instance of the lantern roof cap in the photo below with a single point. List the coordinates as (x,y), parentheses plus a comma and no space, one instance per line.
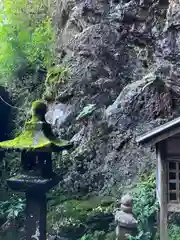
(37,134)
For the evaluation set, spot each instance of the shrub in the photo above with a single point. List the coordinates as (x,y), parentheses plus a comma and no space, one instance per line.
(174,232)
(97,235)
(12,208)
(145,208)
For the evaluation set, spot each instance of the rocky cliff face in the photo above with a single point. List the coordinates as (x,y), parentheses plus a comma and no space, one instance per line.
(124,58)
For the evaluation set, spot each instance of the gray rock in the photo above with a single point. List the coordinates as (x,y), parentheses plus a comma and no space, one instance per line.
(124,58)
(173,15)
(120,61)
(59,114)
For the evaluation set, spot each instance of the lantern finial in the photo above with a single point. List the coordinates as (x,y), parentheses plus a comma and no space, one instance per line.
(38,110)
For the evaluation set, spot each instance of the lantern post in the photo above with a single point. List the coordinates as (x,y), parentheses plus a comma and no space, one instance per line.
(36,144)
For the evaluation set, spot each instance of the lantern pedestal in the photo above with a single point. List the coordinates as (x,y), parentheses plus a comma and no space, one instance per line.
(28,183)
(35,189)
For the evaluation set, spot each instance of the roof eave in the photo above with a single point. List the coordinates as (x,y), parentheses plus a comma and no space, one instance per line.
(159,134)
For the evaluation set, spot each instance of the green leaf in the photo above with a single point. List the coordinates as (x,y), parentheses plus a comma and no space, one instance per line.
(90,108)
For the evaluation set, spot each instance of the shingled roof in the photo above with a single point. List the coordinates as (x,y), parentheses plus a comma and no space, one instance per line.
(160,133)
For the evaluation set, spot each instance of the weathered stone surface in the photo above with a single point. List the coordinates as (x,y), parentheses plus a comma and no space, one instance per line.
(125,220)
(59,114)
(173,14)
(124,57)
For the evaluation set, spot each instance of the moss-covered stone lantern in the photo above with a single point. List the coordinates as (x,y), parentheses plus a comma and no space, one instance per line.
(36,144)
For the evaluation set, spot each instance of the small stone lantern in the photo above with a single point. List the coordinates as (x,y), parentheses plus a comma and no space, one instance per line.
(126,223)
(36,144)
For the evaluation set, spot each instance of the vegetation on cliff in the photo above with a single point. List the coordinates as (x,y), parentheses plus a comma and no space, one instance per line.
(27,47)
(27,37)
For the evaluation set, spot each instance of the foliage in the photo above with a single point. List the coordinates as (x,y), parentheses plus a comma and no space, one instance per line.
(110,235)
(12,208)
(145,199)
(145,209)
(74,213)
(76,216)
(141,236)
(174,232)
(27,36)
(99,235)
(90,108)
(40,47)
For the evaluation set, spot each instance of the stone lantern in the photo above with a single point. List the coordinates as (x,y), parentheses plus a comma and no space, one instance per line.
(125,221)
(35,144)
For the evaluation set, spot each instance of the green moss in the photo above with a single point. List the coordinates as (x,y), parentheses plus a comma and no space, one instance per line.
(56,76)
(77,214)
(38,110)
(34,136)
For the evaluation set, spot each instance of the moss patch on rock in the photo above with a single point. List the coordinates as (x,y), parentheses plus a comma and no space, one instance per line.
(74,218)
(56,76)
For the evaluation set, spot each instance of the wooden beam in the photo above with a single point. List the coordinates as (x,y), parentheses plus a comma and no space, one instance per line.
(174,207)
(162,188)
(154,137)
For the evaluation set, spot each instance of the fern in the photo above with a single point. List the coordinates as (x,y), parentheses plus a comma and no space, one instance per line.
(145,208)
(12,208)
